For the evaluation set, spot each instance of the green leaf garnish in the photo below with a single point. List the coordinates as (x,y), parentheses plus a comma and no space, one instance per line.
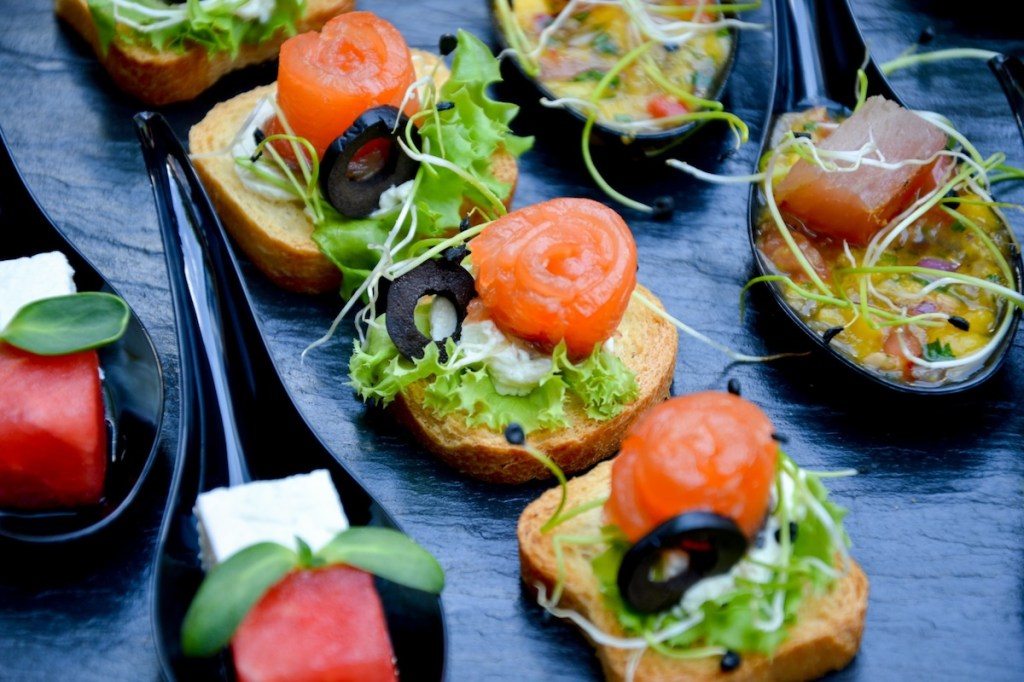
(388,554)
(602,381)
(228,593)
(68,324)
(214,25)
(936,350)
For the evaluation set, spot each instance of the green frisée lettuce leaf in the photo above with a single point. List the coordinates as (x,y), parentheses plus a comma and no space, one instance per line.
(468,134)
(212,25)
(466,137)
(472,393)
(378,372)
(233,587)
(756,613)
(601,381)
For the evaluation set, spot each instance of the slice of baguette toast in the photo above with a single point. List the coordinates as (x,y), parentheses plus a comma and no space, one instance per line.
(646,344)
(163,77)
(825,638)
(277,235)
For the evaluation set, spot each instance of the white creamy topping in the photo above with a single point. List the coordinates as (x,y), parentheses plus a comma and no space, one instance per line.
(25,280)
(768,553)
(304,506)
(245,147)
(443,318)
(393,197)
(259,10)
(515,368)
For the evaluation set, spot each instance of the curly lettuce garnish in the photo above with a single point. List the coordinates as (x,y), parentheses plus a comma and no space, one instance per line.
(458,146)
(464,385)
(217,25)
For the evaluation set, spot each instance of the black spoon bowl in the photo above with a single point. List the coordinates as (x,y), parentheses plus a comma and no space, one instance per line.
(236,413)
(611,140)
(818,52)
(132,384)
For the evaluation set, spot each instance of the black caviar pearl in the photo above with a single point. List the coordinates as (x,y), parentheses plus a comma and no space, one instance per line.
(951,194)
(803,134)
(446,45)
(959,322)
(926,36)
(831,333)
(455,254)
(444,106)
(730,661)
(663,208)
(779,438)
(257,135)
(733,386)
(464,224)
(792,532)
(514,434)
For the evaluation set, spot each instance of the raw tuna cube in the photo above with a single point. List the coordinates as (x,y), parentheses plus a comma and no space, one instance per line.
(53,439)
(856,205)
(314,626)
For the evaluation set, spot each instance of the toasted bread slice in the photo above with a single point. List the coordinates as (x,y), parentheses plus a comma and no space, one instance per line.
(277,235)
(159,78)
(646,344)
(825,638)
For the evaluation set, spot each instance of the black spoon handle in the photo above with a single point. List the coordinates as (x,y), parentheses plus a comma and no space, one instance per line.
(1010,72)
(819,50)
(194,252)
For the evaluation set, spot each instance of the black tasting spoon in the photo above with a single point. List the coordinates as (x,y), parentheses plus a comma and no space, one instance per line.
(238,422)
(1010,72)
(133,388)
(818,51)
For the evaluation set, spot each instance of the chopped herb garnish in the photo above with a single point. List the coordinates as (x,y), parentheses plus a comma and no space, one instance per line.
(936,351)
(604,44)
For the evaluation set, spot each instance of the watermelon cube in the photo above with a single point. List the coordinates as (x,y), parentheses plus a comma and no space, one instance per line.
(317,625)
(53,438)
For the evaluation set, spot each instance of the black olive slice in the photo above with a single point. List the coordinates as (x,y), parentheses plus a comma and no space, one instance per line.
(703,544)
(366,161)
(434,277)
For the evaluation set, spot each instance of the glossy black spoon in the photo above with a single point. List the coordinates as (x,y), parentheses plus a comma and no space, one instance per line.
(1010,72)
(132,386)
(818,51)
(235,414)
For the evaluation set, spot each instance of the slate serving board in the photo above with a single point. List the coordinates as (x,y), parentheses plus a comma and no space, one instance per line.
(936,516)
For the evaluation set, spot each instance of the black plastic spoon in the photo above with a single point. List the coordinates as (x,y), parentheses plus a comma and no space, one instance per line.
(132,385)
(235,414)
(1010,72)
(818,51)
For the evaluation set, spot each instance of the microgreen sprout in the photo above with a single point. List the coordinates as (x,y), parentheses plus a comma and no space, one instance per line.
(770,582)
(690,331)
(913,59)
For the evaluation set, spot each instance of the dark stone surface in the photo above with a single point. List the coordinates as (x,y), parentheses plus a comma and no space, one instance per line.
(936,516)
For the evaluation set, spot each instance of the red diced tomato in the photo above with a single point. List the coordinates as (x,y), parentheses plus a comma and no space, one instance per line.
(662,106)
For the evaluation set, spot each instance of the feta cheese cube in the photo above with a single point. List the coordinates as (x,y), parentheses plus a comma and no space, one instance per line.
(25,280)
(304,506)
